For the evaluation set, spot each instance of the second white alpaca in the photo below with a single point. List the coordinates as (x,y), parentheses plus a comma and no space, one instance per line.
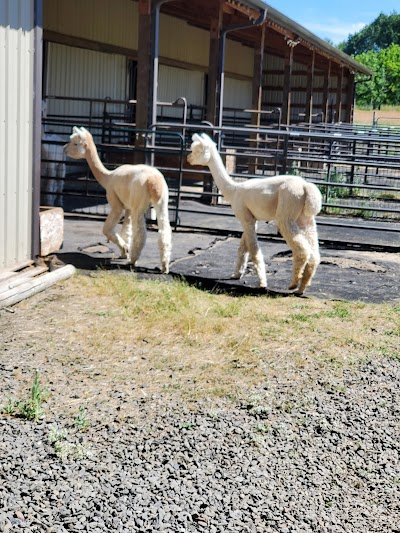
(290,201)
(132,188)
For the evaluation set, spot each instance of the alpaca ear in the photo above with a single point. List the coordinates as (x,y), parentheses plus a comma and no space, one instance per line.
(206,138)
(76,130)
(196,137)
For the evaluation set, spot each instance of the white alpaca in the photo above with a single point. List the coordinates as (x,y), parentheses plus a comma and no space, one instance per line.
(131,188)
(52,169)
(290,201)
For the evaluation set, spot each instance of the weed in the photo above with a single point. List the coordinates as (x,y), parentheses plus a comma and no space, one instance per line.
(187,425)
(65,449)
(30,409)
(81,422)
(10,407)
(262,427)
(57,435)
(340,310)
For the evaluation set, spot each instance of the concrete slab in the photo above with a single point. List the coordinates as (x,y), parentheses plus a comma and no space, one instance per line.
(208,261)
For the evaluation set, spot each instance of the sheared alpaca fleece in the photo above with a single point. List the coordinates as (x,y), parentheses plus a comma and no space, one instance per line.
(130,189)
(290,201)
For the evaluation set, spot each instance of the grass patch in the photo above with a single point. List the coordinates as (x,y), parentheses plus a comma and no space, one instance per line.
(124,339)
(203,339)
(31,408)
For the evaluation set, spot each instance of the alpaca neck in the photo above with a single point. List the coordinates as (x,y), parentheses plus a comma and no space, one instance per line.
(221,177)
(99,171)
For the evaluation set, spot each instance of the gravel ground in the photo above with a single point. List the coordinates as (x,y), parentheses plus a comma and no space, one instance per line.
(323,458)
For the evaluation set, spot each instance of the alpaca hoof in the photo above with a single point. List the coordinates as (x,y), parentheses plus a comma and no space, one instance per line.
(293,286)
(237,275)
(263,285)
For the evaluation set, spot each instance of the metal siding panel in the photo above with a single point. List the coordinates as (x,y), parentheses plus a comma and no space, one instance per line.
(239,59)
(16,89)
(238,93)
(74,72)
(108,22)
(174,32)
(176,82)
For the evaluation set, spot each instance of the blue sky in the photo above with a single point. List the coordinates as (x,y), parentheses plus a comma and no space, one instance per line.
(334,19)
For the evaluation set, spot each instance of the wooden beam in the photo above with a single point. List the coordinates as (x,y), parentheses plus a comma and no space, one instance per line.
(339,96)
(309,90)
(35,285)
(144,88)
(213,85)
(325,98)
(258,76)
(287,81)
(350,98)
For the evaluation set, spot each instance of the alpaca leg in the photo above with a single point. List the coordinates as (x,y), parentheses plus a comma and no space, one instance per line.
(311,235)
(300,247)
(139,237)
(109,230)
(126,232)
(249,227)
(164,235)
(242,259)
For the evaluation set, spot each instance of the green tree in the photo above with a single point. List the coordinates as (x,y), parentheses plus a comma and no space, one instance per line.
(391,62)
(384,87)
(380,34)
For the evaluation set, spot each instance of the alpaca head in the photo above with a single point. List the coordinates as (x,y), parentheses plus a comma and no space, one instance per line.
(78,144)
(200,150)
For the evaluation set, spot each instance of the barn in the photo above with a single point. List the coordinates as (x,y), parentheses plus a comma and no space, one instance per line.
(133,64)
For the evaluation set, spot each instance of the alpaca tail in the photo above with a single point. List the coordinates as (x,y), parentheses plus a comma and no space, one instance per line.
(313,200)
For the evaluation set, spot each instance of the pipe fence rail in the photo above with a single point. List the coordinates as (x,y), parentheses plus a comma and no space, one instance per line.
(357,168)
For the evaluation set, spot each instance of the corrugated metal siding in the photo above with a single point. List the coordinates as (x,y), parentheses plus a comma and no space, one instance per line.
(238,93)
(176,82)
(74,72)
(16,112)
(179,41)
(239,59)
(112,22)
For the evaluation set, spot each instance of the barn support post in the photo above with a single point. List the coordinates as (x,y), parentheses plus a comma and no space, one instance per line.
(258,79)
(234,27)
(325,94)
(287,81)
(147,65)
(339,95)
(309,90)
(257,92)
(350,98)
(213,86)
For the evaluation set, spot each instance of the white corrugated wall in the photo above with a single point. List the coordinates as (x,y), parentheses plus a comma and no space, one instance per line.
(16,130)
(75,72)
(176,82)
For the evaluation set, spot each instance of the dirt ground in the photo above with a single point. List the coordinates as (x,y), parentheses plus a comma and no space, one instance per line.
(388,117)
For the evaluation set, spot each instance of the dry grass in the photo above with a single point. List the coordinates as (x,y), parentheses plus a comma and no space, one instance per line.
(109,336)
(389,116)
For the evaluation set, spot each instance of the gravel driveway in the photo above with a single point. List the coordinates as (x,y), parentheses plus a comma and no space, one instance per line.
(324,459)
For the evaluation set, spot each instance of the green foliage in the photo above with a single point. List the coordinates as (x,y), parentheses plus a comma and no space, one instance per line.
(380,34)
(384,87)
(32,407)
(81,422)
(377,46)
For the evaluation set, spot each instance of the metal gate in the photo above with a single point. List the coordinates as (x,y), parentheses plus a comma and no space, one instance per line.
(357,168)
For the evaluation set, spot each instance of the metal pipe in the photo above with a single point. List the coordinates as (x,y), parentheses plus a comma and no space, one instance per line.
(234,27)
